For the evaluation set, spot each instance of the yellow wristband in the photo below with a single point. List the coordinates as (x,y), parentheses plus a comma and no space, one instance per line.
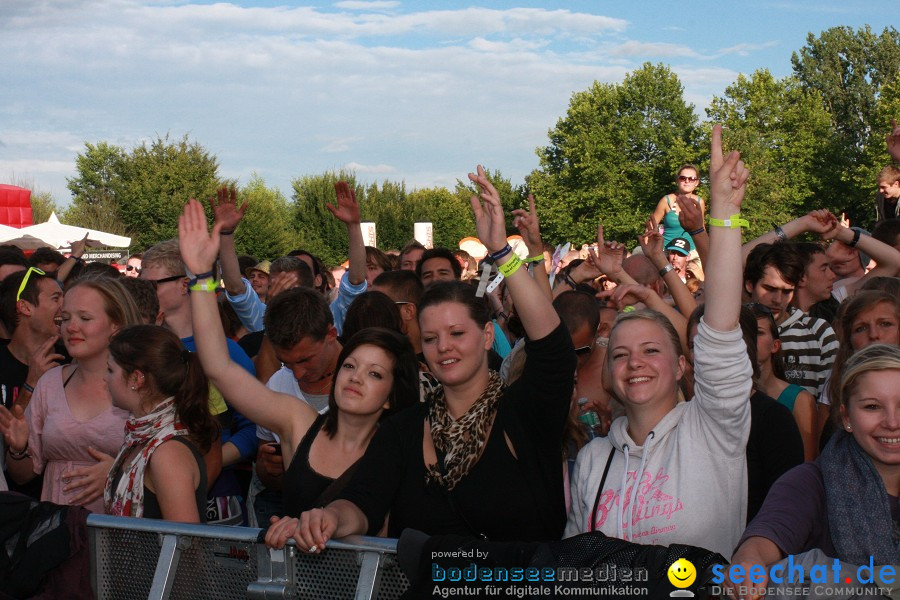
(732,222)
(207,285)
(510,266)
(534,259)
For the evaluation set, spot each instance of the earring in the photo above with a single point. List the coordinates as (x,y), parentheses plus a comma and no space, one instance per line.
(849,428)
(133,388)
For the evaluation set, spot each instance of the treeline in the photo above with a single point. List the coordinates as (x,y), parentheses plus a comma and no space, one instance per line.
(812,140)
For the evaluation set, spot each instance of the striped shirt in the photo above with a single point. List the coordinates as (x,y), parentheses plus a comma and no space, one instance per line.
(808,348)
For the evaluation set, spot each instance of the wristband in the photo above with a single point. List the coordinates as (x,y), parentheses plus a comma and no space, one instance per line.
(855,240)
(209,285)
(197,278)
(18,455)
(535,259)
(510,266)
(780,234)
(628,308)
(226,232)
(666,269)
(28,388)
(697,231)
(732,222)
(501,252)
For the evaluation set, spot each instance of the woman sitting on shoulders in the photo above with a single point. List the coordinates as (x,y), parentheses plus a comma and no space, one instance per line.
(159,472)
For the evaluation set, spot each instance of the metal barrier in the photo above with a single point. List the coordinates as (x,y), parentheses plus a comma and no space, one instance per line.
(146,558)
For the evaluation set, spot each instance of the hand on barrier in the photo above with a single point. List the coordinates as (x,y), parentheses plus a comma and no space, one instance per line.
(281,529)
(316,528)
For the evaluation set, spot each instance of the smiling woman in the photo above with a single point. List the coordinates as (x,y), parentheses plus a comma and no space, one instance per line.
(672,471)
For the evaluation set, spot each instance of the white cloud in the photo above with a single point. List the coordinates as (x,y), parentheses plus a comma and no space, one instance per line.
(654,49)
(339,144)
(360,168)
(373,5)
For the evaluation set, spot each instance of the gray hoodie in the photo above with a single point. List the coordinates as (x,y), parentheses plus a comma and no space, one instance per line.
(692,467)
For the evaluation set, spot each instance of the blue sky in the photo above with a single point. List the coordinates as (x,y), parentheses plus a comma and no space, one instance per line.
(414,91)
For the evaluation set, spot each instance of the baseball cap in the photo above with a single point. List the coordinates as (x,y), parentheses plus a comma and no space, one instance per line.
(679,245)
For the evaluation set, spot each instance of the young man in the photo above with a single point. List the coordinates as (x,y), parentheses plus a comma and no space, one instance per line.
(677,253)
(405,289)
(886,206)
(808,345)
(438,264)
(813,292)
(411,256)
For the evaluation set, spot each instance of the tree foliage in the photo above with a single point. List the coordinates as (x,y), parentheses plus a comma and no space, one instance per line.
(318,231)
(265,231)
(614,155)
(782,132)
(96,189)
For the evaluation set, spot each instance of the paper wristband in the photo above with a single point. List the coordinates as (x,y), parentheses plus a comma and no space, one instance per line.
(510,266)
(732,222)
(208,285)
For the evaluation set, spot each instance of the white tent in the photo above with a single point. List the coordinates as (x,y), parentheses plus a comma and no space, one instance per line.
(58,235)
(15,237)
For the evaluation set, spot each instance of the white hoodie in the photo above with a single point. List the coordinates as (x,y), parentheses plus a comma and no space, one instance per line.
(692,467)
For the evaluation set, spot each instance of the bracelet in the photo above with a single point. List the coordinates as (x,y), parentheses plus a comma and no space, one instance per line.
(501,252)
(226,232)
(628,308)
(732,222)
(209,285)
(510,266)
(697,231)
(666,269)
(18,455)
(855,240)
(28,388)
(535,259)
(780,234)
(197,278)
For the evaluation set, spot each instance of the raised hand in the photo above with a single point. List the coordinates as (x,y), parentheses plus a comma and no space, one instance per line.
(893,141)
(77,247)
(225,209)
(43,359)
(626,294)
(691,213)
(529,227)
(651,241)
(727,176)
(608,257)
(489,220)
(88,482)
(347,209)
(199,248)
(14,428)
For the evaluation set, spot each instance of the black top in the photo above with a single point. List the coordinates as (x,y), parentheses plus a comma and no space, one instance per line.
(12,375)
(504,497)
(773,448)
(151,504)
(302,486)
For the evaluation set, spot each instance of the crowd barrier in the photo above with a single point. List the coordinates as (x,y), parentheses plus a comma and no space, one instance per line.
(146,558)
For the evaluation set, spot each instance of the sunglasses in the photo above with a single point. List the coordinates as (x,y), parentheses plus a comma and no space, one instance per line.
(686,179)
(583,351)
(133,268)
(156,282)
(25,280)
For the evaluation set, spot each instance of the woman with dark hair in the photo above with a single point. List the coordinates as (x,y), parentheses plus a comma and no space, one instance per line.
(477,458)
(151,375)
(377,372)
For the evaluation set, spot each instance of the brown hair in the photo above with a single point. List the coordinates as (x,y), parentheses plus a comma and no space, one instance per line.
(170,370)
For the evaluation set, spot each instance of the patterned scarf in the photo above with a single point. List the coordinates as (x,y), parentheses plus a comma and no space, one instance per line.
(145,434)
(460,441)
(859,512)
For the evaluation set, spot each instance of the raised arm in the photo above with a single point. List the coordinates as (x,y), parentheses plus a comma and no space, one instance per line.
(530,229)
(347,212)
(728,183)
(817,221)
(887,258)
(279,412)
(652,244)
(228,217)
(75,255)
(532,306)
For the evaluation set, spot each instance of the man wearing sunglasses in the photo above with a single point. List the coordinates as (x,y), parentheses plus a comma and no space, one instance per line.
(133,266)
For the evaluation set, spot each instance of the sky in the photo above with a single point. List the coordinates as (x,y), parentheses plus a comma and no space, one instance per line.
(419,92)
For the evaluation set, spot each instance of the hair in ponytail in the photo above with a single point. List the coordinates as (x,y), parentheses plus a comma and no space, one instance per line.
(170,370)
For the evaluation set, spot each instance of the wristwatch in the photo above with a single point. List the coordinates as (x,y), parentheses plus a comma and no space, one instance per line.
(666,269)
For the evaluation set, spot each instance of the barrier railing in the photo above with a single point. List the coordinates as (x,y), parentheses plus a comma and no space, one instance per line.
(146,558)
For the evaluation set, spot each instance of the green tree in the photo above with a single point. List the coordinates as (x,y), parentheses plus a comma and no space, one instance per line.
(389,208)
(265,231)
(511,197)
(449,214)
(156,181)
(317,229)
(96,188)
(613,156)
(782,132)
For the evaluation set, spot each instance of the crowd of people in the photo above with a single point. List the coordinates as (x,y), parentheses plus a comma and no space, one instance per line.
(740,396)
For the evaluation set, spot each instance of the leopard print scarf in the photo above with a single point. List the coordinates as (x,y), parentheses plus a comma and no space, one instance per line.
(460,441)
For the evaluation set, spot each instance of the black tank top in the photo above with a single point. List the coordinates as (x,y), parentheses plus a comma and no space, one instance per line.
(302,486)
(151,504)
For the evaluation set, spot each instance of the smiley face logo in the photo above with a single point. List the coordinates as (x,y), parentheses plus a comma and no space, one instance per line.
(682,573)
